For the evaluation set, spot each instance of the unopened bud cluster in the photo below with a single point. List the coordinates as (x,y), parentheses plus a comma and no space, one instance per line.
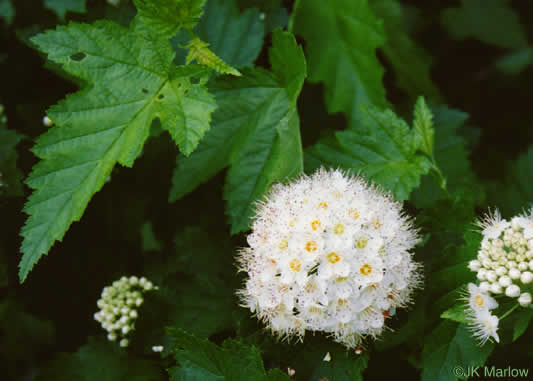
(118,306)
(329,253)
(504,264)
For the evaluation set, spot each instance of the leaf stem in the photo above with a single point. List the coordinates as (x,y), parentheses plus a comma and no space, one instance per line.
(509,312)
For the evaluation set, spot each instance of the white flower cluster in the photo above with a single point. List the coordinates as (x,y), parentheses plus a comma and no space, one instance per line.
(504,263)
(329,253)
(504,266)
(118,306)
(483,323)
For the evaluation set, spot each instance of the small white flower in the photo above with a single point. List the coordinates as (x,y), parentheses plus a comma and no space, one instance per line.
(47,121)
(327,357)
(514,273)
(484,326)
(328,253)
(124,343)
(493,225)
(505,281)
(479,300)
(157,348)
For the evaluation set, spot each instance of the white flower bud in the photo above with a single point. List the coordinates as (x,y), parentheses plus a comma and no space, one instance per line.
(482,274)
(125,311)
(514,273)
(47,121)
(484,286)
(491,276)
(501,271)
(124,343)
(526,277)
(111,337)
(157,348)
(125,329)
(512,291)
(327,357)
(522,266)
(138,302)
(525,299)
(505,281)
(123,319)
(148,286)
(495,288)
(529,254)
(531,265)
(133,314)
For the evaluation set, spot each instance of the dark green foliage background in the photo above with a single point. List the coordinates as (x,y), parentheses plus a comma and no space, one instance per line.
(45,321)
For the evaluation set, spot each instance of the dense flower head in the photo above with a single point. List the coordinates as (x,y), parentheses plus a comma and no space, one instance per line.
(504,263)
(504,267)
(118,306)
(329,253)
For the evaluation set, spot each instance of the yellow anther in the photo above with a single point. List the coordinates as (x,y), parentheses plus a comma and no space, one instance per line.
(315,224)
(376,224)
(338,229)
(337,194)
(333,257)
(354,213)
(292,222)
(295,265)
(311,246)
(323,205)
(479,300)
(362,242)
(283,244)
(366,269)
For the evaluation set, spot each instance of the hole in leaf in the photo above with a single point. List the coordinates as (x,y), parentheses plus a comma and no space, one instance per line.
(80,56)
(145,91)
(161,96)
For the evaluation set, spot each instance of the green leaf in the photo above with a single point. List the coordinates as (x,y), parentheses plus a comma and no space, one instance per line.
(199,51)
(423,127)
(196,286)
(342,367)
(10,175)
(166,17)
(522,322)
(255,131)
(237,38)
(201,359)
(383,148)
(99,360)
(61,7)
(452,158)
(7,11)
(341,41)
(516,62)
(456,313)
(409,60)
(490,21)
(149,240)
(24,338)
(131,81)
(450,346)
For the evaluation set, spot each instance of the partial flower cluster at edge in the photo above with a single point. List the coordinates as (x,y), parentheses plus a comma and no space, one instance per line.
(504,267)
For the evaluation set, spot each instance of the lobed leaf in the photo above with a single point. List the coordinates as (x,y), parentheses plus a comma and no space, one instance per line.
(255,132)
(341,41)
(130,82)
(382,147)
(166,17)
(203,360)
